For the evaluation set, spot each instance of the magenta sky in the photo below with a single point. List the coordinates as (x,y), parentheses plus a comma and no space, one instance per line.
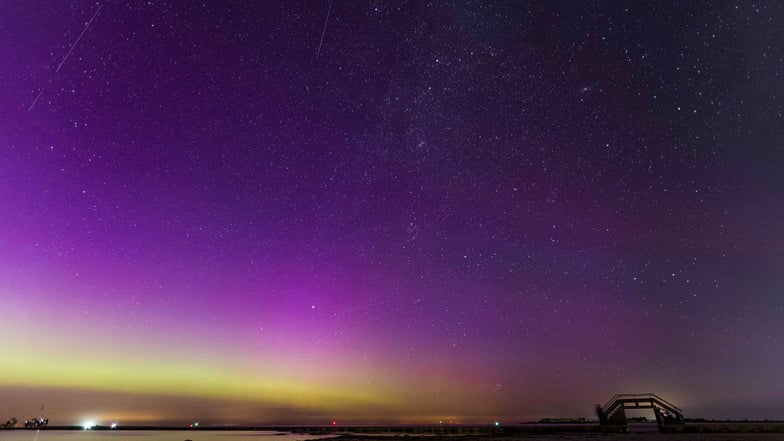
(456,211)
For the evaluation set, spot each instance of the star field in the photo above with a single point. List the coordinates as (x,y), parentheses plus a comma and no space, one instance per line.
(456,211)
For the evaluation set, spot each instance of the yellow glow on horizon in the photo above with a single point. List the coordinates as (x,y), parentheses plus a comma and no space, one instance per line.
(316,381)
(186,380)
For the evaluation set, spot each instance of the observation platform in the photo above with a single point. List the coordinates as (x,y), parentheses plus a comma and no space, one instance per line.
(669,417)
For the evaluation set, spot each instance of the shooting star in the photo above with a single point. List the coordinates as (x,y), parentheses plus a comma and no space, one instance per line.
(30,109)
(78,38)
(323,31)
(65,58)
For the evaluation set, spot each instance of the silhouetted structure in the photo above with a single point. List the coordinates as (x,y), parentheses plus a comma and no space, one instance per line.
(668,416)
(10,424)
(36,423)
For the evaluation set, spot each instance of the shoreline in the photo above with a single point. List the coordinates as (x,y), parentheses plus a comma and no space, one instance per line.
(429,432)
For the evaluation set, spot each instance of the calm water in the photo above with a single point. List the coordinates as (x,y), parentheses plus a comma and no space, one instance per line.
(151,435)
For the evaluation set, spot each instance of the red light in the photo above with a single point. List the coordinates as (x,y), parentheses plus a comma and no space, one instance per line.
(334,423)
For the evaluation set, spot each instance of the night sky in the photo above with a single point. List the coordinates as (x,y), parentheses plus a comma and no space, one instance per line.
(389,211)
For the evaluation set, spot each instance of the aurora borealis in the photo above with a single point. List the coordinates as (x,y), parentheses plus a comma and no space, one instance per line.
(438,211)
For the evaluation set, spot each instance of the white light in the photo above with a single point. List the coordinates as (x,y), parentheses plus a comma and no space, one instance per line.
(114,425)
(88,425)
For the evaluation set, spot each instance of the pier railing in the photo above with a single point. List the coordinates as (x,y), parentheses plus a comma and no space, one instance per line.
(651,397)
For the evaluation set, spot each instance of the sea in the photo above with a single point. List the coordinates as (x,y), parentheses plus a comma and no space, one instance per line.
(154,435)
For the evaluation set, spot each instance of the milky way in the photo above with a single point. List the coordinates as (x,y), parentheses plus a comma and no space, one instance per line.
(389,211)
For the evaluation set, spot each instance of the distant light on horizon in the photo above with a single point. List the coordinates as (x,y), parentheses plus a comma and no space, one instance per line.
(89,424)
